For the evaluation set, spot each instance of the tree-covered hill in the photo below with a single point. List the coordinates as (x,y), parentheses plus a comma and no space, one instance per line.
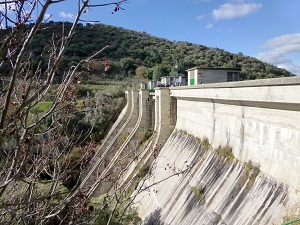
(138,53)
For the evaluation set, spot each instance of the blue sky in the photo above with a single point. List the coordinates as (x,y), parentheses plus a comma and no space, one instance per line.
(266,29)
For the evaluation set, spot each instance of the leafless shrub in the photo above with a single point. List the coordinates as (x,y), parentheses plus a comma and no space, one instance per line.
(43,151)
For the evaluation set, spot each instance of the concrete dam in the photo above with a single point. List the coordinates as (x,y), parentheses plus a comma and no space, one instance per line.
(222,153)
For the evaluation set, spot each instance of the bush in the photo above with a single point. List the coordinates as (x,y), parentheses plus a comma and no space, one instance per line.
(205,143)
(199,192)
(225,152)
(84,91)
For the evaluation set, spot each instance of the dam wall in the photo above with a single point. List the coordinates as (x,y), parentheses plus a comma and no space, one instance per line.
(225,153)
(258,119)
(191,184)
(233,157)
(95,175)
(119,152)
(162,115)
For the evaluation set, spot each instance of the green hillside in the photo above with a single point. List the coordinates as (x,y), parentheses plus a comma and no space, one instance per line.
(138,53)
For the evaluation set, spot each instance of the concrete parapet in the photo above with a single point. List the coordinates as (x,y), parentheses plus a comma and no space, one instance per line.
(162,125)
(106,152)
(135,110)
(144,110)
(141,126)
(248,83)
(243,93)
(135,129)
(99,159)
(113,150)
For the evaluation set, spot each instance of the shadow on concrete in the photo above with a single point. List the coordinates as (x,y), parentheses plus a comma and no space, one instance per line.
(154,218)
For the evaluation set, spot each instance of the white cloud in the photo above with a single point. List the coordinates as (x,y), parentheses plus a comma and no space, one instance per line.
(281,51)
(47,16)
(66,15)
(209,25)
(200,17)
(292,67)
(284,43)
(235,10)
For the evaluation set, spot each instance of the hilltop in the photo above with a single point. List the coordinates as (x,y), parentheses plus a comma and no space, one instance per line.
(138,53)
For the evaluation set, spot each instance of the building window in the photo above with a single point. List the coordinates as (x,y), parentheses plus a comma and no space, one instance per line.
(236,76)
(229,76)
(233,76)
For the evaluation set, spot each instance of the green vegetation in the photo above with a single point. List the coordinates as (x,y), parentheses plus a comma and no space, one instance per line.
(42,188)
(139,54)
(39,189)
(41,107)
(142,172)
(250,173)
(122,139)
(199,192)
(225,152)
(205,143)
(292,215)
(199,141)
(145,136)
(45,150)
(294,221)
(103,103)
(184,132)
(114,208)
(253,170)
(53,115)
(73,156)
(108,101)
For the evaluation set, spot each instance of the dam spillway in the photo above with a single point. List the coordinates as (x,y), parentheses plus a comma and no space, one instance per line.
(211,189)
(196,179)
(259,184)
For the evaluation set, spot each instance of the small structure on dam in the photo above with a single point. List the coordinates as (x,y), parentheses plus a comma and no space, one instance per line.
(199,75)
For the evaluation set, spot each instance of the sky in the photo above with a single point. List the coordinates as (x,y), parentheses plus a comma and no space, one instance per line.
(268,30)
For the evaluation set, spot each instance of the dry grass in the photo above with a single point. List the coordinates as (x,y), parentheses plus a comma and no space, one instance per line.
(199,192)
(225,152)
(292,215)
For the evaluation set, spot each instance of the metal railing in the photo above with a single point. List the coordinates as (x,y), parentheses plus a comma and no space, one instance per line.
(291,222)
